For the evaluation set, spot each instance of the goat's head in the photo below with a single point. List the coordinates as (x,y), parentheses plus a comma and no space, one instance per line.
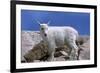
(43,27)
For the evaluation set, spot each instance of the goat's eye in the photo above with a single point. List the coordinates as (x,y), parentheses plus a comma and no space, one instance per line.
(42,28)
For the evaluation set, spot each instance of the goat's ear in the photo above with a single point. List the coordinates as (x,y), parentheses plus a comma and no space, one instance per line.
(48,23)
(37,21)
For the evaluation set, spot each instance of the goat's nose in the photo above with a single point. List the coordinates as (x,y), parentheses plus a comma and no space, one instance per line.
(45,34)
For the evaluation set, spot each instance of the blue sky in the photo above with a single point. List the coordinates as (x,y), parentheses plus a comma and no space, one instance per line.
(80,21)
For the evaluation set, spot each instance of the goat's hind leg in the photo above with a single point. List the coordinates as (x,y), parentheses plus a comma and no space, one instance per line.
(74,50)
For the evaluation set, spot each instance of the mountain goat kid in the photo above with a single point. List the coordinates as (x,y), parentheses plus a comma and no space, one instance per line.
(56,36)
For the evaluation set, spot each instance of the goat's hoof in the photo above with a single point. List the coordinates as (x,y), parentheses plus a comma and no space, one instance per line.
(50,59)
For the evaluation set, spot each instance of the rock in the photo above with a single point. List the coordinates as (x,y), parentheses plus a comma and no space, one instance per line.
(28,40)
(85,53)
(82,39)
(38,52)
(35,50)
(59,59)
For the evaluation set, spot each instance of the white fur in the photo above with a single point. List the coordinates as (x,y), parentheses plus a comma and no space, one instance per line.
(59,36)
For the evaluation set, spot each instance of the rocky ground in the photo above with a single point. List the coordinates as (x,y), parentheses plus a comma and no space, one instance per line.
(33,48)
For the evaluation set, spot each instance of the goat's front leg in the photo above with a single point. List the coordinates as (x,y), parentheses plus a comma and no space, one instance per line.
(51,56)
(51,51)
